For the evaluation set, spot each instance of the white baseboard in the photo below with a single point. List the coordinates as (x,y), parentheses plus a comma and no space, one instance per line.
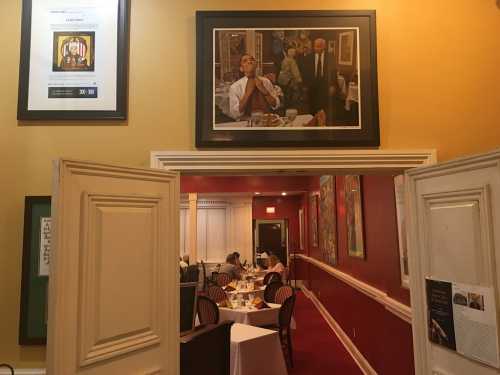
(360,360)
(23,371)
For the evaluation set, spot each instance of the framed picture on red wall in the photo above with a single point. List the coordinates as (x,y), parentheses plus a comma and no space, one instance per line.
(328,220)
(354,216)
(313,220)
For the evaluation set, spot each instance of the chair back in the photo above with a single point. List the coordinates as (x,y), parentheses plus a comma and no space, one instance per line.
(271,276)
(270,291)
(207,351)
(192,274)
(216,293)
(222,279)
(283,293)
(208,311)
(286,312)
(204,276)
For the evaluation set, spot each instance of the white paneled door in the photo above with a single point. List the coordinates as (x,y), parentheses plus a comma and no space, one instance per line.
(454,235)
(113,297)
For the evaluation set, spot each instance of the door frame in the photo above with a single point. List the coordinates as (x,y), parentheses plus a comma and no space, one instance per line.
(302,162)
(291,161)
(283,230)
(414,224)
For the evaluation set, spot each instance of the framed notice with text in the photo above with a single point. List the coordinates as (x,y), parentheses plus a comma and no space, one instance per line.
(35,276)
(74,59)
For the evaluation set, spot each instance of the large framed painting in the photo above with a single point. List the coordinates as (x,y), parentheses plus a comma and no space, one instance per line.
(354,216)
(74,60)
(313,220)
(286,78)
(35,272)
(328,220)
(399,193)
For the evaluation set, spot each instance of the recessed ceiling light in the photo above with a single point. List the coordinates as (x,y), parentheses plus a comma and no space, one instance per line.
(284,193)
(257,193)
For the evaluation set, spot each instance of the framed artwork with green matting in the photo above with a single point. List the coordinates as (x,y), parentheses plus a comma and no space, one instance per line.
(35,274)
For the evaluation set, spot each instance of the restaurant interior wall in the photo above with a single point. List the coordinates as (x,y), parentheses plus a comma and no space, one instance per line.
(384,339)
(437,87)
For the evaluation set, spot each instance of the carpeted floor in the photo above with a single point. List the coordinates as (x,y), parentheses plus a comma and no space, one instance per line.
(317,349)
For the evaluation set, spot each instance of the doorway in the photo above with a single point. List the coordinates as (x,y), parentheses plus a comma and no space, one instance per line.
(270,238)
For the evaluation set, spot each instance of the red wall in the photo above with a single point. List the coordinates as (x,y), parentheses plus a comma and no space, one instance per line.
(226,184)
(384,339)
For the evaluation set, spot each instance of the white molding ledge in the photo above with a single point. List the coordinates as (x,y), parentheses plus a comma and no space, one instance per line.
(397,308)
(351,348)
(24,371)
(291,161)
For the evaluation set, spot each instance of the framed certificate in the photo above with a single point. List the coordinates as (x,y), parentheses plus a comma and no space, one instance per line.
(35,275)
(74,59)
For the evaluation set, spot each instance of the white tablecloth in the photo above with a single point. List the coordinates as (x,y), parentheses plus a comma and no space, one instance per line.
(256,351)
(245,315)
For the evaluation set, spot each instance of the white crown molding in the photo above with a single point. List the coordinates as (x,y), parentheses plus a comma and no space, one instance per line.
(459,164)
(291,161)
(24,371)
(351,348)
(397,308)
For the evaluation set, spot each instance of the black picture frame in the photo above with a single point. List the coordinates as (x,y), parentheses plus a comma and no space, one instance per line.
(34,288)
(364,21)
(120,113)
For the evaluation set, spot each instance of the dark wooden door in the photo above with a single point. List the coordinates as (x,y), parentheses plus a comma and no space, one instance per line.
(270,240)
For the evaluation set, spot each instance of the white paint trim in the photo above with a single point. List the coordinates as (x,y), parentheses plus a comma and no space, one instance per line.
(291,161)
(24,371)
(397,308)
(351,348)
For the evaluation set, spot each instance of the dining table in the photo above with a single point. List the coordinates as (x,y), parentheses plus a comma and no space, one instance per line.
(255,351)
(248,314)
(246,292)
(251,315)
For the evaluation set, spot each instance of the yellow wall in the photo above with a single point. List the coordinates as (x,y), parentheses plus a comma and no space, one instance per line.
(439,87)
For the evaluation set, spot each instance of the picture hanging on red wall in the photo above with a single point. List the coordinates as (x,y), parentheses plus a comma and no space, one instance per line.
(354,216)
(328,220)
(313,219)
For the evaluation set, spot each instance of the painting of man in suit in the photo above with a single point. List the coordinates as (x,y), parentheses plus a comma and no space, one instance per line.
(320,79)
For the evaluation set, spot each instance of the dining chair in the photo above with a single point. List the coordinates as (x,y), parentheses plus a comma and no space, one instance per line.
(270,277)
(223,279)
(204,276)
(270,291)
(208,311)
(284,320)
(283,293)
(216,293)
